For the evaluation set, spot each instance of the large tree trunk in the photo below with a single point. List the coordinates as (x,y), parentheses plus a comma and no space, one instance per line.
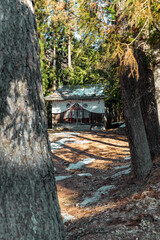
(139,148)
(29,206)
(146,86)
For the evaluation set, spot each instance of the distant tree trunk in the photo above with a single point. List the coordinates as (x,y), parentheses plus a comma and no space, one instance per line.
(54,62)
(69,52)
(109,115)
(29,206)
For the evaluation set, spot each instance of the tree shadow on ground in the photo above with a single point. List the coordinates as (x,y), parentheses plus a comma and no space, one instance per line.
(126,210)
(87,185)
(117,134)
(107,212)
(110,144)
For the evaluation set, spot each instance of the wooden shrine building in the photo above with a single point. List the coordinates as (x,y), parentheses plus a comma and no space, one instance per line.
(80,105)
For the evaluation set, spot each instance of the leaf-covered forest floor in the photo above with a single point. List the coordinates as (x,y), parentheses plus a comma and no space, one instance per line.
(98,195)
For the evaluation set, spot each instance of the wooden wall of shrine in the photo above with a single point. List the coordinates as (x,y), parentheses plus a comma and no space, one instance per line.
(79,116)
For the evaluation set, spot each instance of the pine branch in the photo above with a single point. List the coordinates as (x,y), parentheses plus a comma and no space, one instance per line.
(156,26)
(139,32)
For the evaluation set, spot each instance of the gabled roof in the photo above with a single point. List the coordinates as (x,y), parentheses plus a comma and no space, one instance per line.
(77,92)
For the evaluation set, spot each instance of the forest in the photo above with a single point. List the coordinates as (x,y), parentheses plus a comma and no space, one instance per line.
(75,53)
(114,43)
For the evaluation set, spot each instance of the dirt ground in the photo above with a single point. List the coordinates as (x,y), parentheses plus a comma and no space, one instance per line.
(98,195)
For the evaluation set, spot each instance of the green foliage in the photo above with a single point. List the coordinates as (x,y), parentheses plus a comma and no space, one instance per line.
(93,56)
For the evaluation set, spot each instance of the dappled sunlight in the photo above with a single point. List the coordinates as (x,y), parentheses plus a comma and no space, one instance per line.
(102,192)
(86,166)
(100,164)
(94,148)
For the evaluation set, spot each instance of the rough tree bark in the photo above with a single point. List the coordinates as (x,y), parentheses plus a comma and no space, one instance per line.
(29,206)
(139,147)
(147,92)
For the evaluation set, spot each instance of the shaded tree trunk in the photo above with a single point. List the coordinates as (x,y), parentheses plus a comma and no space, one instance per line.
(147,92)
(139,148)
(109,115)
(29,206)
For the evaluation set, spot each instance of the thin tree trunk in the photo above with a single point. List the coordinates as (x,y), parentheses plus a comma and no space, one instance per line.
(69,51)
(29,206)
(54,51)
(54,62)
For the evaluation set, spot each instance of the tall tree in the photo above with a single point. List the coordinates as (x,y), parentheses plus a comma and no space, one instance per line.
(148,96)
(135,23)
(139,147)
(60,23)
(143,30)
(29,206)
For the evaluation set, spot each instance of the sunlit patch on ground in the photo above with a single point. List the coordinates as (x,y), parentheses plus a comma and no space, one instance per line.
(97,194)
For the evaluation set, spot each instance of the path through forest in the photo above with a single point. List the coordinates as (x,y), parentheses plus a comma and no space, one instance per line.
(98,196)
